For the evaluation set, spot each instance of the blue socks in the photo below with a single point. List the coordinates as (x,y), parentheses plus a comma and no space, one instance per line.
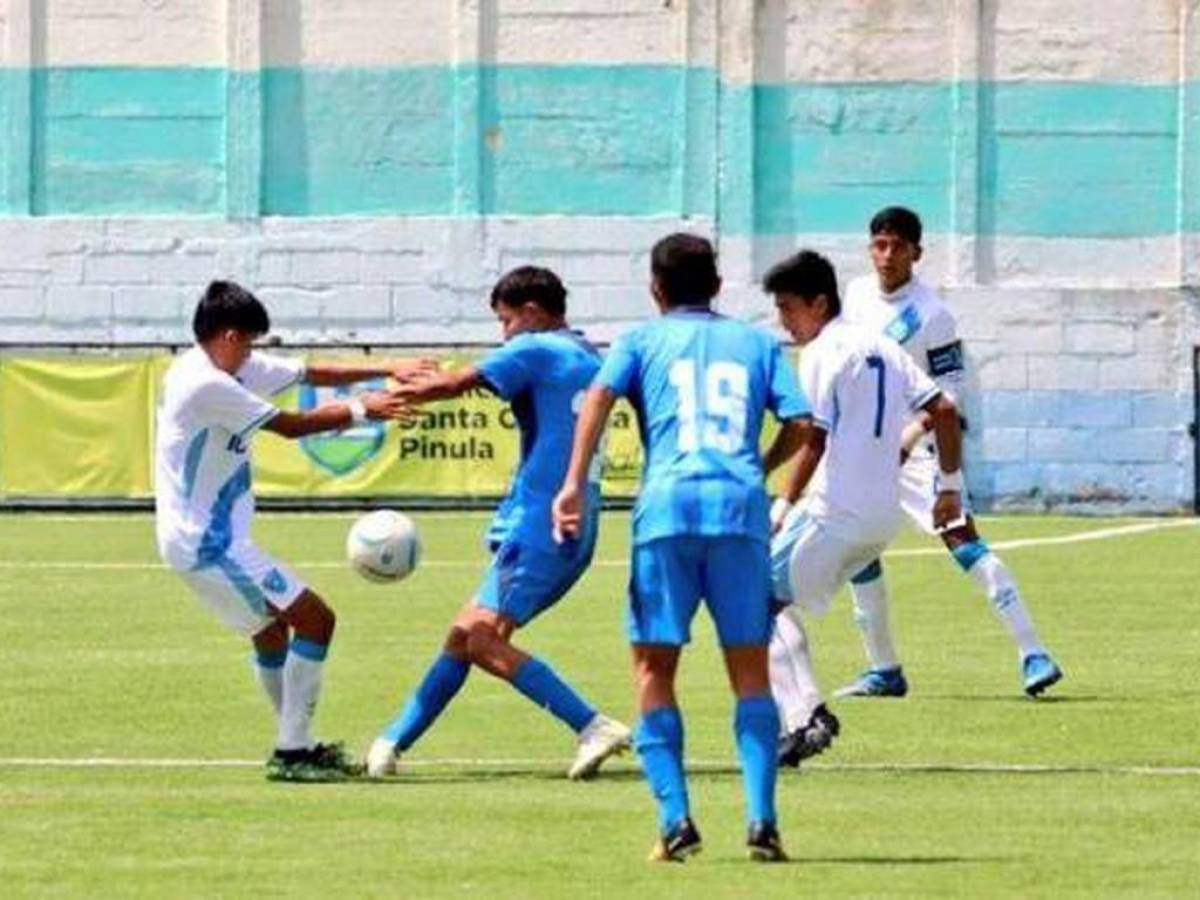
(756,728)
(541,684)
(437,688)
(659,742)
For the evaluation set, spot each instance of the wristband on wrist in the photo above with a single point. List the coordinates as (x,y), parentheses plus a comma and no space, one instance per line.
(358,412)
(951,481)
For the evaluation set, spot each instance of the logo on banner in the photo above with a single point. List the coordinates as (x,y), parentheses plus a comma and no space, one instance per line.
(341,452)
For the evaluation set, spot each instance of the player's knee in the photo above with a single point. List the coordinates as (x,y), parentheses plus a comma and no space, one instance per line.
(456,643)
(311,618)
(482,640)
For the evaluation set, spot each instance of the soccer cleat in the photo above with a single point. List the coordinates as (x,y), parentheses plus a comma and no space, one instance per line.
(382,758)
(677,844)
(335,757)
(815,737)
(601,738)
(763,843)
(877,683)
(301,766)
(1039,672)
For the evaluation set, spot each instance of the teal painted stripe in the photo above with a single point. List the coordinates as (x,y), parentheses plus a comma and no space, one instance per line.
(1069,160)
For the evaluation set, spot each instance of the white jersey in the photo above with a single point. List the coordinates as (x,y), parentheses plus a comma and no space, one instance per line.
(915,318)
(863,389)
(202,465)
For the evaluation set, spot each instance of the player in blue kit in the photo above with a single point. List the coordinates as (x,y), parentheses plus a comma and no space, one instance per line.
(700,384)
(542,370)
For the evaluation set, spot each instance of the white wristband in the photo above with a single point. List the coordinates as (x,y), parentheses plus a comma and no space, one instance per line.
(951,481)
(358,412)
(779,511)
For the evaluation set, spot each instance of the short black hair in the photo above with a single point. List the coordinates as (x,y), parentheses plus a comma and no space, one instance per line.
(226,304)
(805,274)
(531,284)
(898,220)
(685,266)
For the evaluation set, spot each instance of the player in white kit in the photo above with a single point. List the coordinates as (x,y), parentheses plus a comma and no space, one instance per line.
(897,303)
(211,407)
(863,389)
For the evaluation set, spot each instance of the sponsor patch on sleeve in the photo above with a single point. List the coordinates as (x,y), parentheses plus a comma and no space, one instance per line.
(946,359)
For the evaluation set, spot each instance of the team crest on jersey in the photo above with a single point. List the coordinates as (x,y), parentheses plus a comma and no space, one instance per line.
(905,325)
(341,452)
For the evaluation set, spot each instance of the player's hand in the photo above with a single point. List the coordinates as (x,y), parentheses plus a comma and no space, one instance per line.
(386,405)
(947,509)
(404,371)
(567,512)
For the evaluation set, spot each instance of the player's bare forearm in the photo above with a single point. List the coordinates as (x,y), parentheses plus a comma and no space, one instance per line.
(785,445)
(337,414)
(328,374)
(441,385)
(812,449)
(947,430)
(589,428)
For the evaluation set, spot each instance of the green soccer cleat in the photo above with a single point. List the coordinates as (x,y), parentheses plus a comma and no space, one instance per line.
(303,766)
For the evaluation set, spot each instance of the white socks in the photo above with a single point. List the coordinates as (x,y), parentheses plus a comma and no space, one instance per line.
(871,616)
(997,582)
(793,683)
(271,679)
(301,685)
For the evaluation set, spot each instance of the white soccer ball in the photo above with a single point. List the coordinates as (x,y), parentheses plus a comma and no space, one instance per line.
(384,546)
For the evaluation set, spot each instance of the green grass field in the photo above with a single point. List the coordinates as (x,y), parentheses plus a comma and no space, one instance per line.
(964,788)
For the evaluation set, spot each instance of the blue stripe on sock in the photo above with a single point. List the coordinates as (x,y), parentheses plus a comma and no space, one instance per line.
(966,555)
(441,682)
(872,572)
(659,742)
(309,649)
(756,729)
(543,686)
(270,659)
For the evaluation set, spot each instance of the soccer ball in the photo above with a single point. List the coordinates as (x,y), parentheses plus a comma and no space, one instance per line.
(384,546)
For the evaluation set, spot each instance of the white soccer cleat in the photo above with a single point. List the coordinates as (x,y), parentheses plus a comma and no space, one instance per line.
(601,738)
(381,758)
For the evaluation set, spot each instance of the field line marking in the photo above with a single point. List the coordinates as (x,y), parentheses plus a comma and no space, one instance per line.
(983,768)
(1095,534)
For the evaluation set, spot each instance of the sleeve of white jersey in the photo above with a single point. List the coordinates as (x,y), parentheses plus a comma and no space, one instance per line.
(944,352)
(221,400)
(268,375)
(818,381)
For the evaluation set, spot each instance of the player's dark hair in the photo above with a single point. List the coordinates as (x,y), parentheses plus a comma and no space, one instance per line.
(897,220)
(531,284)
(226,304)
(806,274)
(685,267)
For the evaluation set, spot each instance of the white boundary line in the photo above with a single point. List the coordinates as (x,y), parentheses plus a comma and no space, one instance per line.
(1096,534)
(987,768)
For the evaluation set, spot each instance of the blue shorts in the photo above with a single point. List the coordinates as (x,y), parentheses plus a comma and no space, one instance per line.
(670,575)
(524,581)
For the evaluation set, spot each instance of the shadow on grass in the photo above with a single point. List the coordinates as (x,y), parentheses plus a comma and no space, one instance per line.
(900,860)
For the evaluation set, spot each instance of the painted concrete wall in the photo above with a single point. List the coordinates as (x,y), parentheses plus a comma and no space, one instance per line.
(371,166)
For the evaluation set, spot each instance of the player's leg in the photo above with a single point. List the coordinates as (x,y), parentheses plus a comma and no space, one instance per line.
(439,685)
(885,677)
(312,624)
(664,591)
(1039,671)
(737,589)
(270,654)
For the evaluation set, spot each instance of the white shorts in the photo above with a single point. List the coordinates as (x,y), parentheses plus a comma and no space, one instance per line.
(809,564)
(918,488)
(243,585)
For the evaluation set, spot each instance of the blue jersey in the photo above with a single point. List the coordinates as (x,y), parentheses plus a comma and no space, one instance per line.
(700,384)
(542,374)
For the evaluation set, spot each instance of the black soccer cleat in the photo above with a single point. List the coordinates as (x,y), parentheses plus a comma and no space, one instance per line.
(677,844)
(763,843)
(815,737)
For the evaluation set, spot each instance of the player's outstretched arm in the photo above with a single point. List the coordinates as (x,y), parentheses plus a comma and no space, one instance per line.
(440,385)
(339,414)
(947,430)
(571,503)
(328,374)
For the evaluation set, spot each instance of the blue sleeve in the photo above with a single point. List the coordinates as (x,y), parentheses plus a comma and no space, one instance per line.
(620,367)
(786,399)
(506,370)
